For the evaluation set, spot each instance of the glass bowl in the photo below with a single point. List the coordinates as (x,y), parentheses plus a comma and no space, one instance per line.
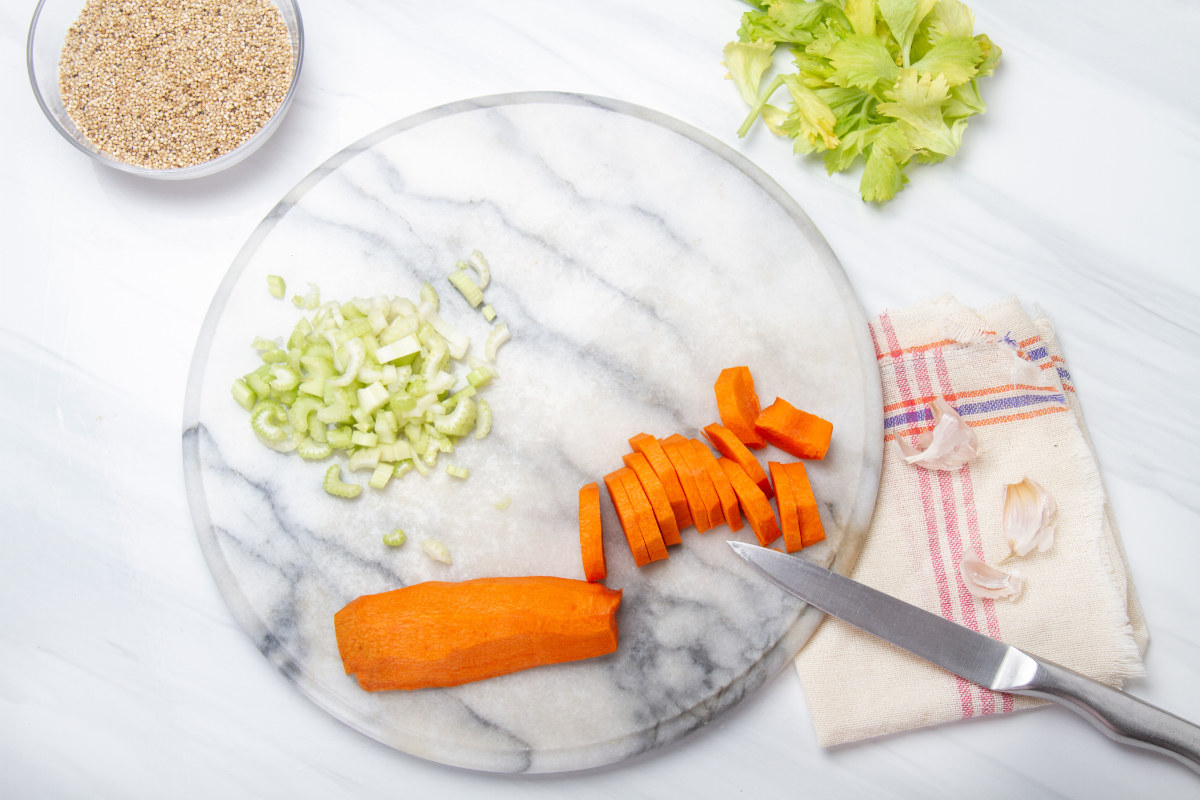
(47,33)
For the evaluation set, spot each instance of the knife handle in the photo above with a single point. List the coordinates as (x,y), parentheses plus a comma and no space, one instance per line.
(1119,715)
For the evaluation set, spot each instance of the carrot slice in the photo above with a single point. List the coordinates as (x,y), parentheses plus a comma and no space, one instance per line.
(625,513)
(720,481)
(439,633)
(811,529)
(652,449)
(679,451)
(730,446)
(651,536)
(738,406)
(591,539)
(687,480)
(785,501)
(754,503)
(656,493)
(708,492)
(794,431)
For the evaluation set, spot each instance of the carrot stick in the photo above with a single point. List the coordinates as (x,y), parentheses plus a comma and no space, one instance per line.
(730,446)
(785,500)
(591,539)
(687,479)
(651,535)
(811,529)
(445,634)
(793,431)
(625,513)
(708,492)
(738,406)
(656,493)
(720,481)
(652,449)
(754,503)
(704,496)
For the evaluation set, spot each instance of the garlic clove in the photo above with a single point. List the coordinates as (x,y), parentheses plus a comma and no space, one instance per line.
(1028,513)
(984,580)
(948,446)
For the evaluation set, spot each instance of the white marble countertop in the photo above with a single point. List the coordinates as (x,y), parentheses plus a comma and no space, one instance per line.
(122,671)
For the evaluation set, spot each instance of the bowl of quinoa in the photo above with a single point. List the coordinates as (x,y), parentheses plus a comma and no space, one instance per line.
(165,88)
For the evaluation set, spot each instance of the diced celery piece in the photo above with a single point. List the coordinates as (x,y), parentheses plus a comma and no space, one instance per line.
(276,286)
(243,394)
(335,486)
(457,472)
(381,475)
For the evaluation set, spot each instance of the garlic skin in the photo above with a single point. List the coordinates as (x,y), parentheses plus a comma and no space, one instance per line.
(985,581)
(1028,509)
(948,446)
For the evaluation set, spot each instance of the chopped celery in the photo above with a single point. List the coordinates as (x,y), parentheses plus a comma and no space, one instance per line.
(337,487)
(394,538)
(470,290)
(489,313)
(436,550)
(243,394)
(384,381)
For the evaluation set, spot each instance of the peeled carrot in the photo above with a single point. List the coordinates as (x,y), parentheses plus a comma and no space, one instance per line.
(811,529)
(754,503)
(720,481)
(793,431)
(644,515)
(591,539)
(785,501)
(445,634)
(730,446)
(687,480)
(626,515)
(656,494)
(652,449)
(679,451)
(738,406)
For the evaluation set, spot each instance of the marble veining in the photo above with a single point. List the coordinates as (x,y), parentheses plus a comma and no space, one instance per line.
(627,260)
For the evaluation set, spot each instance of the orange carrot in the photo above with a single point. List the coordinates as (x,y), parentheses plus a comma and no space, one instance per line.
(687,479)
(644,513)
(811,529)
(652,449)
(656,493)
(754,503)
(730,446)
(625,513)
(707,514)
(720,482)
(785,500)
(738,406)
(794,431)
(445,634)
(591,539)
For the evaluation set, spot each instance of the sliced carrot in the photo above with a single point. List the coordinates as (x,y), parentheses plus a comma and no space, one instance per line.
(785,501)
(730,446)
(656,493)
(708,492)
(720,481)
(794,431)
(687,480)
(655,547)
(591,539)
(652,449)
(811,529)
(738,406)
(700,495)
(625,513)
(754,503)
(439,633)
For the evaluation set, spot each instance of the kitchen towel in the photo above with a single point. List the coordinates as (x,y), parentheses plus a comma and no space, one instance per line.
(1002,370)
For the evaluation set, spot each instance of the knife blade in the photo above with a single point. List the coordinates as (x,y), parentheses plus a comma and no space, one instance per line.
(976,657)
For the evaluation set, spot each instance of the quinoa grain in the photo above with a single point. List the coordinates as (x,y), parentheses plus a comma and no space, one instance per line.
(165,84)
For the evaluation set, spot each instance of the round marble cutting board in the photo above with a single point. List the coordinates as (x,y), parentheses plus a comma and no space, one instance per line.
(632,258)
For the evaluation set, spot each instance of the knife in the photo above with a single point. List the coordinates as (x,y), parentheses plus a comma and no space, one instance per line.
(976,657)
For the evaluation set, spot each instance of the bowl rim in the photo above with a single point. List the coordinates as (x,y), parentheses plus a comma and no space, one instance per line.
(209,167)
